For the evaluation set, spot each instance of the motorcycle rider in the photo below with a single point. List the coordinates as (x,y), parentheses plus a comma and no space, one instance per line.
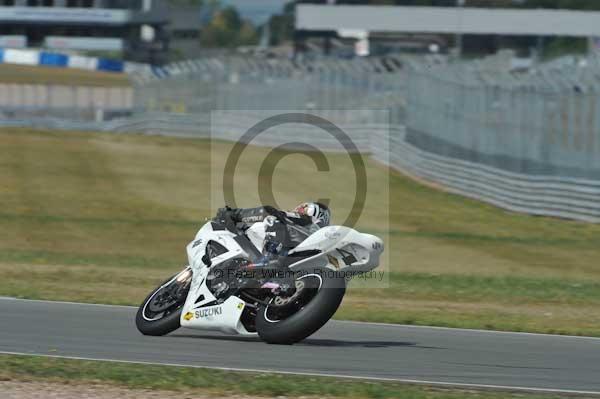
(278,231)
(283,230)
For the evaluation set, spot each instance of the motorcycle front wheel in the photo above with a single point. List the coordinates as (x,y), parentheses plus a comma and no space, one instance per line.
(287,320)
(159,313)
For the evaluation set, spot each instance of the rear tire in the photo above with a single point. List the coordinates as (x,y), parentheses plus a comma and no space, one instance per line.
(311,317)
(164,324)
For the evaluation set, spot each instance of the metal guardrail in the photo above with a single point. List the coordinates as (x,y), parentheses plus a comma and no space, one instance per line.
(562,197)
(51,97)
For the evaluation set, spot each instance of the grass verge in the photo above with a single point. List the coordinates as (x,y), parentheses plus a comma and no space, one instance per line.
(24,74)
(217,382)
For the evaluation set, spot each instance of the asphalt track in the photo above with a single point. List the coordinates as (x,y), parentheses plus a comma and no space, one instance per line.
(358,350)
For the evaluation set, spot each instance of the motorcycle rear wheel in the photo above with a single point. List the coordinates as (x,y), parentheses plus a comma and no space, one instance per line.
(286,321)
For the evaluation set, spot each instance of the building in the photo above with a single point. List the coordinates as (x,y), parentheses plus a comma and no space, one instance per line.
(134,29)
(370,23)
(185,21)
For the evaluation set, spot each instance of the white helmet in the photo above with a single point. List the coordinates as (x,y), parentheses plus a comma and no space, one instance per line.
(318,212)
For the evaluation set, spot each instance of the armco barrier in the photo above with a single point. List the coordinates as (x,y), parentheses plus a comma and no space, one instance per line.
(576,199)
(52,59)
(21,57)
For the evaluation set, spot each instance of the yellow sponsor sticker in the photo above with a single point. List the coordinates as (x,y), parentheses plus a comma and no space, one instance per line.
(188,316)
(241,305)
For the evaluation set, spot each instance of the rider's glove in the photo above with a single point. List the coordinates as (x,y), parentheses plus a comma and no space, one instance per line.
(273,247)
(222,213)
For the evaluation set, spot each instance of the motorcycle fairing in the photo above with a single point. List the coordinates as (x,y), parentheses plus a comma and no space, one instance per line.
(223,317)
(341,248)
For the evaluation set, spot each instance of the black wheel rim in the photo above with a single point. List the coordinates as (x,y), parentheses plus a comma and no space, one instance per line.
(167,299)
(279,308)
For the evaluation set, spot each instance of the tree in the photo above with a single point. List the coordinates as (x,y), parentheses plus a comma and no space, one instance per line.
(247,34)
(227,29)
(282,25)
(184,3)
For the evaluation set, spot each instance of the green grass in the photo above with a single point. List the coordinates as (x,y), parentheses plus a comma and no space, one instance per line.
(23,74)
(216,382)
(104,218)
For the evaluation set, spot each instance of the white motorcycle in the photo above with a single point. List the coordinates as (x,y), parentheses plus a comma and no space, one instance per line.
(226,288)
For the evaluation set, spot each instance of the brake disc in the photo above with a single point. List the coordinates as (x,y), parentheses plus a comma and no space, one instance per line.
(282,301)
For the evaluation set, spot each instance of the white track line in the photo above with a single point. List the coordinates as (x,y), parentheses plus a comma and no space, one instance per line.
(308,374)
(450,329)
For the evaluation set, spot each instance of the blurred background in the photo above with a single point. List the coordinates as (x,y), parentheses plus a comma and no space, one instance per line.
(490,151)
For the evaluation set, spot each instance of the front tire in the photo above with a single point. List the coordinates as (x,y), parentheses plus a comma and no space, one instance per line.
(325,290)
(151,319)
